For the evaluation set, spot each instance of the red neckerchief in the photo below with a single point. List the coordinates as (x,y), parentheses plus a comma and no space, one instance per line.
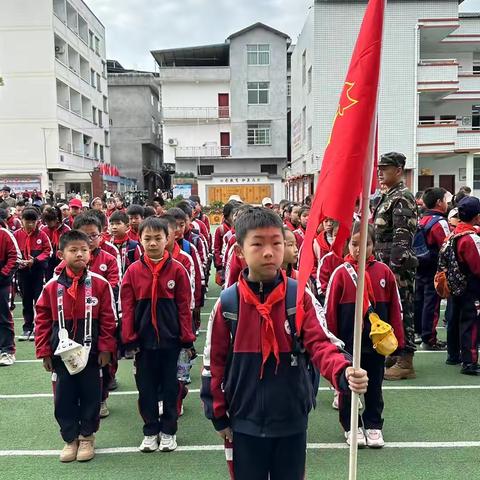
(28,245)
(176,250)
(120,241)
(463,228)
(289,225)
(72,291)
(56,234)
(267,332)
(133,235)
(368,294)
(155,268)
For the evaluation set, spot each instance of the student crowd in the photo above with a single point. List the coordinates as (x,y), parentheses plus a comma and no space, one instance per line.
(103,282)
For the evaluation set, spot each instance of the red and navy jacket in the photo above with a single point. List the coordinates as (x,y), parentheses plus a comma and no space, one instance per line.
(202,230)
(326,266)
(36,244)
(468,254)
(9,257)
(234,266)
(133,235)
(128,251)
(103,315)
(194,238)
(110,248)
(195,281)
(299,236)
(174,318)
(288,224)
(278,403)
(14,223)
(54,235)
(218,244)
(103,264)
(435,237)
(204,219)
(340,304)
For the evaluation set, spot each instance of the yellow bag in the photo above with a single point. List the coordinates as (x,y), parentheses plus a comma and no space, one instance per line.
(381,333)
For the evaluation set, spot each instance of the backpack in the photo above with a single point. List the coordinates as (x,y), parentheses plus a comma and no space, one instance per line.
(229,301)
(425,254)
(450,278)
(186,246)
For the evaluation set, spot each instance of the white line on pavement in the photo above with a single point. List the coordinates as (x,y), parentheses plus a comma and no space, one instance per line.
(214,448)
(321,389)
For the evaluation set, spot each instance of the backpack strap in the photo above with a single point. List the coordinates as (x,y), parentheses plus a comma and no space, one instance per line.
(291,309)
(229,302)
(186,246)
(435,219)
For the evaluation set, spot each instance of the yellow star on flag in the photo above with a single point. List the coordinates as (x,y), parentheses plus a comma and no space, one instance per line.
(346,101)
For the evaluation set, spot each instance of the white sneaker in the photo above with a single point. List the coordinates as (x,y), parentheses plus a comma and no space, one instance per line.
(6,359)
(336,396)
(181,411)
(361,440)
(149,443)
(160,408)
(374,438)
(104,411)
(168,443)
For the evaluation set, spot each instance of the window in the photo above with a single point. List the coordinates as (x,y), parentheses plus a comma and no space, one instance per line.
(152,100)
(476,173)
(104,69)
(271,169)
(289,87)
(95,150)
(258,54)
(97,45)
(427,119)
(205,169)
(154,125)
(448,118)
(258,93)
(309,138)
(304,67)
(105,104)
(100,118)
(304,122)
(258,133)
(107,138)
(92,77)
(94,115)
(99,83)
(101,152)
(91,42)
(309,80)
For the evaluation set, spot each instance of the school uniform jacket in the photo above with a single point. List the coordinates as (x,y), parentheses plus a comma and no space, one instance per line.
(194,238)
(9,257)
(468,254)
(174,319)
(195,281)
(103,315)
(14,223)
(54,235)
(128,252)
(233,268)
(278,404)
(340,304)
(39,244)
(434,239)
(299,236)
(218,244)
(326,266)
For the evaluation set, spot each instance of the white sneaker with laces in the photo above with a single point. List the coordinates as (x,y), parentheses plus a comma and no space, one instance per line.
(149,443)
(361,440)
(168,443)
(6,359)
(374,438)
(336,396)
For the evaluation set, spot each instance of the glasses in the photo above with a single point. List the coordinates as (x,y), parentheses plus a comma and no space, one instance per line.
(93,236)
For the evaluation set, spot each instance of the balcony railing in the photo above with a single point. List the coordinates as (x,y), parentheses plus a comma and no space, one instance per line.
(438,74)
(448,136)
(206,151)
(195,113)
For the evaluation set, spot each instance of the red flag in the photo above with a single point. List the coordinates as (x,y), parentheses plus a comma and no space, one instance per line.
(344,161)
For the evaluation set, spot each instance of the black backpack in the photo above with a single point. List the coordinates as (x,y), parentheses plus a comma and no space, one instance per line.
(449,271)
(229,302)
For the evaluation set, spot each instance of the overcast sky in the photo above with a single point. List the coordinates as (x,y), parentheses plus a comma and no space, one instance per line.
(134,27)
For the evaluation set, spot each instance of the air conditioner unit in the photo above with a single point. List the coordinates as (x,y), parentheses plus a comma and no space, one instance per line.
(466,121)
(173,142)
(59,50)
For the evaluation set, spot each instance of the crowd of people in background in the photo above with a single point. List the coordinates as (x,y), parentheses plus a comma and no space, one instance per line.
(102,281)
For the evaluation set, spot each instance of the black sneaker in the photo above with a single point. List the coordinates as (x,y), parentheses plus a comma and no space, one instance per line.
(113,385)
(24,336)
(418,339)
(470,369)
(437,346)
(453,361)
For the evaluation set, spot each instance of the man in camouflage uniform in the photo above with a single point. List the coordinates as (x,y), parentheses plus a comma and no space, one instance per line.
(395,221)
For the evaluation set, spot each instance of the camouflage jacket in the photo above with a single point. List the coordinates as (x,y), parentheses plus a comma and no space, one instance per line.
(395,222)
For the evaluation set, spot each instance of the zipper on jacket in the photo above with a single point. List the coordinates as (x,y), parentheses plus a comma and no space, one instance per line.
(262,399)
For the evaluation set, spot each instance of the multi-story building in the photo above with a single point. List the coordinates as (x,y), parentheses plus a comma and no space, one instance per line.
(429,100)
(136,131)
(224,109)
(54,120)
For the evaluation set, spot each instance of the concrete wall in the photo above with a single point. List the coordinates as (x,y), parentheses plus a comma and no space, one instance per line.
(445,166)
(131,113)
(276,110)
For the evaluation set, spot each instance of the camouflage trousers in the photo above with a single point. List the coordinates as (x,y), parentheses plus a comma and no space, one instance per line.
(405,282)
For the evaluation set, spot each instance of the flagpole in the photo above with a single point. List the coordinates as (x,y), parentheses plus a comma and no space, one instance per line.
(358,325)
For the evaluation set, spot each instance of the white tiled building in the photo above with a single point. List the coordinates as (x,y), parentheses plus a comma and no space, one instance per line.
(430,89)
(224,109)
(54,123)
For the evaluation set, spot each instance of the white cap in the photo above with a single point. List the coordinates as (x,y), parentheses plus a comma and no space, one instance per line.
(64,207)
(448,197)
(235,198)
(267,201)
(453,213)
(85,205)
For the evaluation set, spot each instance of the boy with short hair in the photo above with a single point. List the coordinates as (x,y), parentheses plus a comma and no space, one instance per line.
(299,233)
(36,251)
(218,241)
(75,206)
(156,324)
(251,388)
(128,249)
(135,216)
(81,302)
(9,261)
